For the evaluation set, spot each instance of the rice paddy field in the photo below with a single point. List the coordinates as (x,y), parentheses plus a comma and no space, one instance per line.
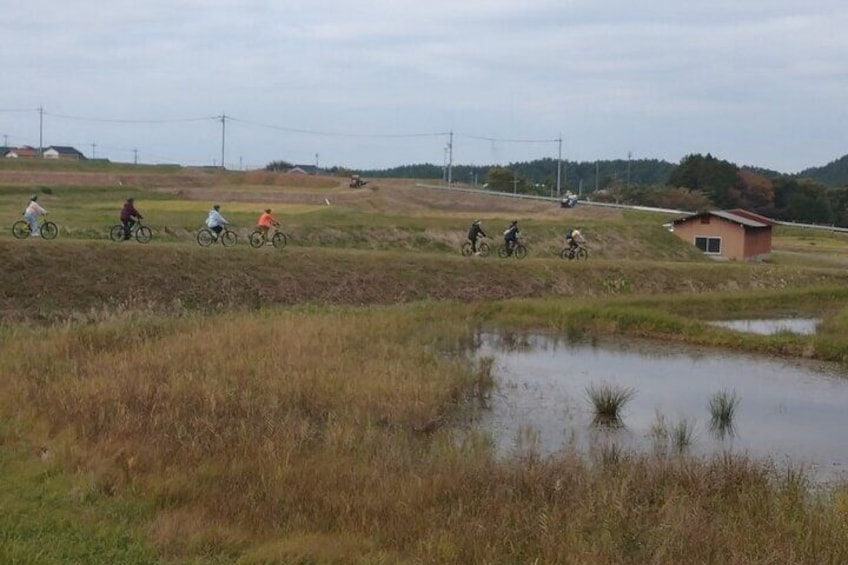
(167,403)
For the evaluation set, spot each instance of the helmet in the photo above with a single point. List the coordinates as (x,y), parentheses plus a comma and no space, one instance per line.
(476,222)
(130,199)
(514,223)
(34,197)
(267,210)
(216,206)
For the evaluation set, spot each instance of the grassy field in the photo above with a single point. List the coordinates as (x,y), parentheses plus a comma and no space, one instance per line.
(172,404)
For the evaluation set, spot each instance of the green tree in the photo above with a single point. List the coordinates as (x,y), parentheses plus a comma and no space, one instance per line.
(278,166)
(714,177)
(505,180)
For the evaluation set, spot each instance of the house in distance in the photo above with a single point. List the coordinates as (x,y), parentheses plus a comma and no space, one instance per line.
(731,234)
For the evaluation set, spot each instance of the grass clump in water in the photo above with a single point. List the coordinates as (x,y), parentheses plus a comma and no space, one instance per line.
(723,405)
(608,400)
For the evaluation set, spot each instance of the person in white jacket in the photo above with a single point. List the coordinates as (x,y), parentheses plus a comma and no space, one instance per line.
(215,221)
(32,213)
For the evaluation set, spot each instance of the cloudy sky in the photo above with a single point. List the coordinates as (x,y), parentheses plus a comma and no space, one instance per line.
(379,83)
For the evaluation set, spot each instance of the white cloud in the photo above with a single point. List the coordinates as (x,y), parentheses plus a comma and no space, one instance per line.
(758,82)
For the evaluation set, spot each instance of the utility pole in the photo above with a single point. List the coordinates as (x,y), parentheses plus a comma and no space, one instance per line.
(316,161)
(628,169)
(5,140)
(514,183)
(41,131)
(135,156)
(597,173)
(450,158)
(559,165)
(223,137)
(93,145)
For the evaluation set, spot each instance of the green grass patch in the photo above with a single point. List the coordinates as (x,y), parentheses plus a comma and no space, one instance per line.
(53,517)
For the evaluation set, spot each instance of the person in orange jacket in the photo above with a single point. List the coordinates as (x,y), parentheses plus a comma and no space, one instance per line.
(266,220)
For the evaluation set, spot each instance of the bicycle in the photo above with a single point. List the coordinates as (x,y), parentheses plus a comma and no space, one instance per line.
(142,233)
(259,238)
(206,237)
(46,229)
(579,251)
(483,249)
(517,250)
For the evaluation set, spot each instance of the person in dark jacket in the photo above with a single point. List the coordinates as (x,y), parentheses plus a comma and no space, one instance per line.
(129,216)
(511,235)
(475,231)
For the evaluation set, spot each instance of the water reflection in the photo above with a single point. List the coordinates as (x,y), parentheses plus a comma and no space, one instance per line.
(803,326)
(784,411)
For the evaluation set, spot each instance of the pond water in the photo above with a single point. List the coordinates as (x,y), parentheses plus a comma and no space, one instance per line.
(788,412)
(804,326)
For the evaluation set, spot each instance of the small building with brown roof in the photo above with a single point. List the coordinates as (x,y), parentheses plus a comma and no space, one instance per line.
(732,234)
(25,152)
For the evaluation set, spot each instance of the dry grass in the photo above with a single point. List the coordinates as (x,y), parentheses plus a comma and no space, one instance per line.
(331,436)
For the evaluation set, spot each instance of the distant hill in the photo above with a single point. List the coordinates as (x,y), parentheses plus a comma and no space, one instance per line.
(589,175)
(834,173)
(575,175)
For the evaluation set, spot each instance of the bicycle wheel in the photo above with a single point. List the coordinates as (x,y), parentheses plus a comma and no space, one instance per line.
(255,239)
(484,249)
(228,238)
(205,237)
(466,249)
(20,229)
(503,252)
(49,230)
(143,234)
(279,239)
(520,251)
(582,253)
(116,233)
(566,253)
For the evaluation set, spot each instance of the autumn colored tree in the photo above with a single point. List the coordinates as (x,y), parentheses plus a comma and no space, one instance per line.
(754,192)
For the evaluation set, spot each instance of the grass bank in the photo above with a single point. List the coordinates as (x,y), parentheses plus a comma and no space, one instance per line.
(60,279)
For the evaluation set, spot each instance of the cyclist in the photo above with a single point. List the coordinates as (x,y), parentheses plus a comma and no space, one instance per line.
(215,221)
(129,216)
(511,235)
(32,213)
(266,220)
(574,238)
(475,231)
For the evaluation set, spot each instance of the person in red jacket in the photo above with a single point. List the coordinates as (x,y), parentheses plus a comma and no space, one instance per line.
(129,216)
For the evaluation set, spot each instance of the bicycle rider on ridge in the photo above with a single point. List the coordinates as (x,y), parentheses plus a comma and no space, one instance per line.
(266,220)
(574,238)
(33,211)
(129,216)
(215,221)
(475,231)
(511,236)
